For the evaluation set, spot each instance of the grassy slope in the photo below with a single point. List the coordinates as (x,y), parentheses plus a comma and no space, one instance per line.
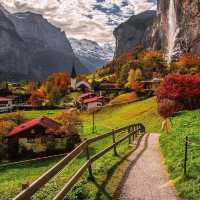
(36,113)
(172,145)
(106,176)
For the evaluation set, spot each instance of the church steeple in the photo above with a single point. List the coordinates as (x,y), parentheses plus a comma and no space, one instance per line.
(73,77)
(73,72)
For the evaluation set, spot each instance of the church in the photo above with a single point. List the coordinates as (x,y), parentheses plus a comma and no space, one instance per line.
(78,85)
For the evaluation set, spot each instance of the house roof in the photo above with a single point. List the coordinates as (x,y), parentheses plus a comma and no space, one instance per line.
(93,99)
(84,95)
(2,99)
(42,121)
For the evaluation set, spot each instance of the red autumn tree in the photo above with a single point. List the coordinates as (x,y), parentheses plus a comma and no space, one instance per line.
(183,89)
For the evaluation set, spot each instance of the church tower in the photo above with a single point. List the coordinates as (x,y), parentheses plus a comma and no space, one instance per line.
(73,78)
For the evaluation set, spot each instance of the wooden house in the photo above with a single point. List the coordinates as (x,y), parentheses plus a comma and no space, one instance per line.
(38,136)
(151,84)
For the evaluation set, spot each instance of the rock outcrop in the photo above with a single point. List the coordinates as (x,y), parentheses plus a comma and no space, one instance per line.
(32,48)
(131,33)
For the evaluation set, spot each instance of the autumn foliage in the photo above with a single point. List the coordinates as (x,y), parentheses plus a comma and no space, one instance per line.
(184,90)
(188,64)
(137,86)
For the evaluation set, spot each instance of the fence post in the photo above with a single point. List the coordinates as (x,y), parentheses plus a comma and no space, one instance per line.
(133,129)
(136,131)
(129,132)
(88,158)
(114,142)
(186,156)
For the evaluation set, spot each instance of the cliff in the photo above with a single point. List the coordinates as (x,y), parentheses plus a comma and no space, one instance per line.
(32,48)
(187,22)
(131,33)
(175,29)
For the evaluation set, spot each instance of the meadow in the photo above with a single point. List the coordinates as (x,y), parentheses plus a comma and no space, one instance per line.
(184,124)
(107,170)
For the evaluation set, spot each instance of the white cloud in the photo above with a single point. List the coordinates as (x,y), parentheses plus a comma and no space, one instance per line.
(90,19)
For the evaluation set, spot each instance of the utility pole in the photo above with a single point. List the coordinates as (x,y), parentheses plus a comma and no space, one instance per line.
(93,122)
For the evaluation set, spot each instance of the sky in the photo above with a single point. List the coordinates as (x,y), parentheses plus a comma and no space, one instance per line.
(84,19)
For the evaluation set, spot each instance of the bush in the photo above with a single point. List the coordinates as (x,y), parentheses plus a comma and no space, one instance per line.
(167,108)
(184,90)
(71,123)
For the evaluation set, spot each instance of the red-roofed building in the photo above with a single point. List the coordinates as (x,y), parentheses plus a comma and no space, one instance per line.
(84,96)
(40,135)
(44,124)
(93,103)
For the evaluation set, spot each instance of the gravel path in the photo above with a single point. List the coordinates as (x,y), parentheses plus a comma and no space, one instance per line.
(146,177)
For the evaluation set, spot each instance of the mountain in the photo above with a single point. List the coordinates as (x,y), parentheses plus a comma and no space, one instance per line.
(32,48)
(91,54)
(131,33)
(174,30)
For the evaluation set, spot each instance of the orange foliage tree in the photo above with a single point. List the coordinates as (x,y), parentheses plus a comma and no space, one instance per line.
(38,97)
(187,64)
(59,80)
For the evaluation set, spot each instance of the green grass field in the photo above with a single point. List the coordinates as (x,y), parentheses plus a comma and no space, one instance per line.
(107,170)
(172,146)
(36,113)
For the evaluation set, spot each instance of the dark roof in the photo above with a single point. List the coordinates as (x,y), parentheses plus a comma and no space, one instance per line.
(42,121)
(73,72)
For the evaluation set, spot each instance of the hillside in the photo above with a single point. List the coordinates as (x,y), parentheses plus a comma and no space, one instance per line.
(172,146)
(12,177)
(27,50)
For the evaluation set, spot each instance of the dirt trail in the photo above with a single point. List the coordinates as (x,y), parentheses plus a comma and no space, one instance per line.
(146,177)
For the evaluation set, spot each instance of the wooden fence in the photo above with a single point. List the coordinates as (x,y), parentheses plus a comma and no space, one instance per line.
(132,132)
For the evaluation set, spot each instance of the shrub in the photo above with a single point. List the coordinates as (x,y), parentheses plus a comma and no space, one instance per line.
(184,90)
(167,108)
(71,123)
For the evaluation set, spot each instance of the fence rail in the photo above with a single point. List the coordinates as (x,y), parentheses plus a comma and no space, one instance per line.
(132,130)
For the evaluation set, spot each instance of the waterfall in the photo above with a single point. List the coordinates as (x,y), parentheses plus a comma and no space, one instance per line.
(173,31)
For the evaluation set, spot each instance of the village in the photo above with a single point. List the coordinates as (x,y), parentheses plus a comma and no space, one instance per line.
(45,136)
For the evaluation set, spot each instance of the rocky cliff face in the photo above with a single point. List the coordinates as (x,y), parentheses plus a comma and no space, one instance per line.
(131,33)
(30,47)
(12,48)
(188,24)
(173,34)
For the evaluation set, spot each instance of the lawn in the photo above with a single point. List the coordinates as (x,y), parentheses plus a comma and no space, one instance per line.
(172,146)
(124,98)
(36,113)
(107,170)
